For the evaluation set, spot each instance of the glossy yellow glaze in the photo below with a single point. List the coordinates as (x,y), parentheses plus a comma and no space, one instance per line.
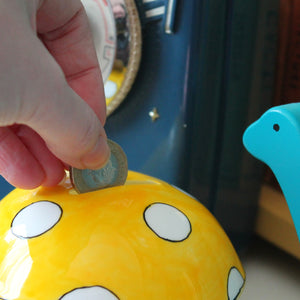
(102,239)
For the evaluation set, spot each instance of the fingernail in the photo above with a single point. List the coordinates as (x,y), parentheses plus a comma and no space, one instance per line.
(98,157)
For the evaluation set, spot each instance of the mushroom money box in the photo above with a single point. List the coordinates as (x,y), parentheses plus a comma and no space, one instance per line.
(275,139)
(143,240)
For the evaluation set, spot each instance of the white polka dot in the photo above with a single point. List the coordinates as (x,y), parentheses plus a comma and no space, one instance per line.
(90,293)
(235,283)
(36,219)
(110,89)
(167,222)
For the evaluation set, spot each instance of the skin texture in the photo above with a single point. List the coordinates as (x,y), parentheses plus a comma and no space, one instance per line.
(52,104)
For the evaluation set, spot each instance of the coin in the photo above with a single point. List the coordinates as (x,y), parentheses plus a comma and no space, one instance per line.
(114,172)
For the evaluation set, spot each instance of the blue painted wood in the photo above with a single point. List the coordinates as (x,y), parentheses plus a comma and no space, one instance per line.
(5,188)
(275,140)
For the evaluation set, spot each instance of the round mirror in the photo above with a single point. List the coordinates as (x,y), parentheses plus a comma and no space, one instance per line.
(117,36)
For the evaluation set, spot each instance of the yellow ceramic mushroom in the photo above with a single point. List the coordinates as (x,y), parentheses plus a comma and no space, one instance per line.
(143,240)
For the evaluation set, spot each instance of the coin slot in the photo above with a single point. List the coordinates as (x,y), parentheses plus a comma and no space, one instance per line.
(139,182)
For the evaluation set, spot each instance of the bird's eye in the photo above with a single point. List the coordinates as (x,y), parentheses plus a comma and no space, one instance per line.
(276,127)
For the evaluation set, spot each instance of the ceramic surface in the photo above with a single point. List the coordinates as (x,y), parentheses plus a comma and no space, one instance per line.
(143,240)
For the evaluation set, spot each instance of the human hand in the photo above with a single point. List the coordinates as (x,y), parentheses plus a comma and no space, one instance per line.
(48,65)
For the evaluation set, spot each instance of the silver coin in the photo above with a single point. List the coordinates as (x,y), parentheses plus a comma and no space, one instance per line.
(114,173)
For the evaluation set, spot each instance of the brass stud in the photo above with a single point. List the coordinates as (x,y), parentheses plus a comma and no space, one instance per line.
(154,115)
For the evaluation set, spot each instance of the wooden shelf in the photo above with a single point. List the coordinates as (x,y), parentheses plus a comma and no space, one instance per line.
(274,222)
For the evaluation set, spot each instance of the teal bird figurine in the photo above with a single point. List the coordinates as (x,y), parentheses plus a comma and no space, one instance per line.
(275,139)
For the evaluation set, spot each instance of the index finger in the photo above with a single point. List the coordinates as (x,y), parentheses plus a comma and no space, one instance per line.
(64,29)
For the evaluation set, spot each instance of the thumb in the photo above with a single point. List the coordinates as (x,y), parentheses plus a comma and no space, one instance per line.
(69,126)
